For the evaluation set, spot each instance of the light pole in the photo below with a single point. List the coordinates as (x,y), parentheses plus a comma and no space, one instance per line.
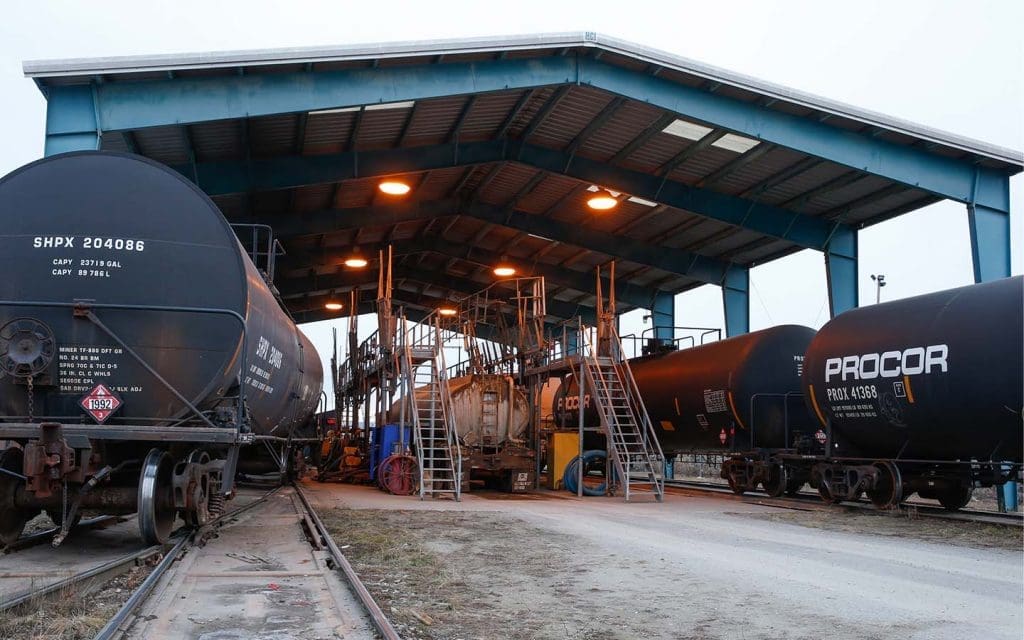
(879,283)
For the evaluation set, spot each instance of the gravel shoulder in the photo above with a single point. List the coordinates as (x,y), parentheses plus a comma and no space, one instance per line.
(553,567)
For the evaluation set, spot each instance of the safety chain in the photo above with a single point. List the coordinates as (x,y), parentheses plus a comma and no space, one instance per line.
(31,403)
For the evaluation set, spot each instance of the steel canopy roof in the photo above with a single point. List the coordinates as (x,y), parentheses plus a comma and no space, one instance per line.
(500,168)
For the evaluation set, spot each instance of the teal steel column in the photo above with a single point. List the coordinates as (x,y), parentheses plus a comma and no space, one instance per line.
(71,120)
(988,216)
(841,271)
(736,300)
(990,242)
(663,317)
(572,346)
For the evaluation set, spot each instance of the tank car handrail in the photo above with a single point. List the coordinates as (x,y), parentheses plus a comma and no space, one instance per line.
(255,250)
(88,305)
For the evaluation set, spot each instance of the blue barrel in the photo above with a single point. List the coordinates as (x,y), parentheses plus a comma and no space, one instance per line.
(384,441)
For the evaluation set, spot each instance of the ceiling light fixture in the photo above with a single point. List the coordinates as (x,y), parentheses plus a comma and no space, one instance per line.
(447,311)
(503,269)
(355,260)
(602,201)
(333,305)
(394,187)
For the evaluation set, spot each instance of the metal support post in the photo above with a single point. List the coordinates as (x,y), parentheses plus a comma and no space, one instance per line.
(580,383)
(71,120)
(841,271)
(990,242)
(663,317)
(670,467)
(1006,496)
(572,343)
(736,300)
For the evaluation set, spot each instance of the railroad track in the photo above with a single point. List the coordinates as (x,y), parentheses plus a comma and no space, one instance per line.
(35,568)
(274,570)
(809,502)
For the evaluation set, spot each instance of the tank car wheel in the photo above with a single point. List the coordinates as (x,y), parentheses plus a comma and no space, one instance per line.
(826,494)
(888,490)
(156,497)
(956,498)
(198,485)
(737,488)
(777,482)
(12,519)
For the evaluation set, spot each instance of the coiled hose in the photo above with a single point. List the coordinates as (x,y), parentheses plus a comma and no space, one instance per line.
(592,460)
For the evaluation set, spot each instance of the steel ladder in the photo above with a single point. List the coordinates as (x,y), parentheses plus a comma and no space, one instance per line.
(632,443)
(437,447)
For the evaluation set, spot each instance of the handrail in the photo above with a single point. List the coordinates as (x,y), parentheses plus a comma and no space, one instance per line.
(448,415)
(635,401)
(634,392)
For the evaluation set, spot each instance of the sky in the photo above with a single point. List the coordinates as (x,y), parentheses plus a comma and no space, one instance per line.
(955,66)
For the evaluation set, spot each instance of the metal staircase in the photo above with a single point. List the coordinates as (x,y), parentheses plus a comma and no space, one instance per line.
(632,444)
(426,387)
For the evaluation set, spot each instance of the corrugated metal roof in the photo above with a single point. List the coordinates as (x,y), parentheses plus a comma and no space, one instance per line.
(582,122)
(418,52)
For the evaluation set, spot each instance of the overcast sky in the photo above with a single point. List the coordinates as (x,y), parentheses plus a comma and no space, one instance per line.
(956,66)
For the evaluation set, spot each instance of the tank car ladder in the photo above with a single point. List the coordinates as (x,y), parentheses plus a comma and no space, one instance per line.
(437,446)
(632,445)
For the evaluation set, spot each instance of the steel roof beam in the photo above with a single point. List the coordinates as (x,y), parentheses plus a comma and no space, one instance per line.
(334,220)
(139,104)
(227,177)
(950,177)
(231,177)
(779,177)
(652,130)
(736,163)
(415,310)
(299,287)
(676,261)
(629,294)
(594,125)
(781,223)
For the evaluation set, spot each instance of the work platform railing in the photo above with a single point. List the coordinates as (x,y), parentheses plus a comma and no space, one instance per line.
(595,356)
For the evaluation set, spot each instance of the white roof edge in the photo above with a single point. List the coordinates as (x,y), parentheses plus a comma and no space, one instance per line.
(41,69)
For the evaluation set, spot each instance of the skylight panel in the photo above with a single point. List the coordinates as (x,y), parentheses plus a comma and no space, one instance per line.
(646,203)
(323,112)
(733,142)
(686,129)
(390,105)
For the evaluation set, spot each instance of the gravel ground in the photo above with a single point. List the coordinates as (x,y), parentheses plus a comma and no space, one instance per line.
(556,567)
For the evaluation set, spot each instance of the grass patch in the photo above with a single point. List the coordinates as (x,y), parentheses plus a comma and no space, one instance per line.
(76,613)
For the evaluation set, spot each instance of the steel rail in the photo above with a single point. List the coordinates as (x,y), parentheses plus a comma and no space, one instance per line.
(805,500)
(144,589)
(106,570)
(380,621)
(140,594)
(117,566)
